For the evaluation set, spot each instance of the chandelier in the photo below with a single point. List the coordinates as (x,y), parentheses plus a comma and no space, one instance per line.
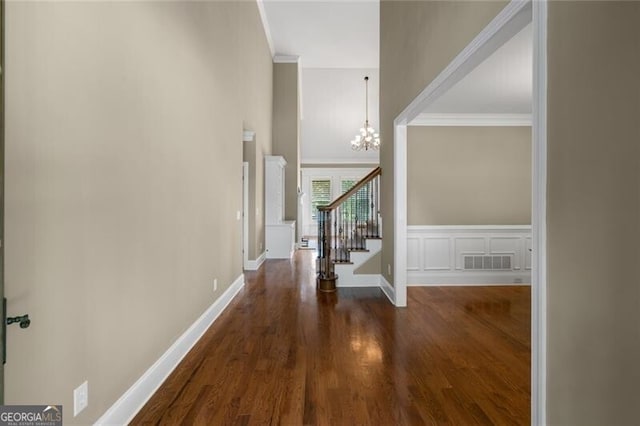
(367,138)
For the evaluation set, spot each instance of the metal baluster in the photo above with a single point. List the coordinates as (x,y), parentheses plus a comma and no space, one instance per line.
(376,192)
(340,217)
(370,229)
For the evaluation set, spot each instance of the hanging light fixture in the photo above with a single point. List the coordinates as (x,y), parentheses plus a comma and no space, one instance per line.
(367,138)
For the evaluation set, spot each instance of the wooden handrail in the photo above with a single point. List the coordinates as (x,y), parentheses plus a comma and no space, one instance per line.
(368,178)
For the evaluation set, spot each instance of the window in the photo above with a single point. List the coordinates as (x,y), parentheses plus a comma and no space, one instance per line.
(357,207)
(320,195)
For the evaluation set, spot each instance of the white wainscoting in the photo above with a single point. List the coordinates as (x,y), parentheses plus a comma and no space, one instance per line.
(435,254)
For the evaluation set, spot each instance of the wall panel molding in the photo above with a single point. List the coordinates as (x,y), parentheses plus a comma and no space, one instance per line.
(436,254)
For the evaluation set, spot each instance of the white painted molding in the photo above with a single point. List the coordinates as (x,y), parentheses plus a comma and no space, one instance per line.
(248,135)
(463,279)
(128,405)
(278,159)
(400,215)
(265,25)
(471,228)
(435,254)
(429,119)
(388,289)
(539,218)
(300,102)
(350,160)
(254,265)
(286,59)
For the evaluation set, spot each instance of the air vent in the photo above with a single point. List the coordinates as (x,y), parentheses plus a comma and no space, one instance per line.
(487,263)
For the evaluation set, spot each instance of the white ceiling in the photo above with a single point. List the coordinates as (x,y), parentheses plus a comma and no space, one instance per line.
(501,84)
(333,103)
(325,34)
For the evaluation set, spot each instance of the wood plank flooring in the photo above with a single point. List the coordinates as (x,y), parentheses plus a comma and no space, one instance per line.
(284,354)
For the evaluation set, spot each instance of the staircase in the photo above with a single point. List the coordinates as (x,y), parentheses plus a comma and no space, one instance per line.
(349,234)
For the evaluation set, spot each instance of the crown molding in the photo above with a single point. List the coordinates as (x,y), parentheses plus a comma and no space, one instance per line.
(341,160)
(428,119)
(286,59)
(265,25)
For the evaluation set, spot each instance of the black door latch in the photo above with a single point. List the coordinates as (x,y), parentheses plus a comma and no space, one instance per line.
(23,320)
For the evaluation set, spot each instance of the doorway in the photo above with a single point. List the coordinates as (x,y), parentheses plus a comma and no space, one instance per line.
(245,215)
(513,18)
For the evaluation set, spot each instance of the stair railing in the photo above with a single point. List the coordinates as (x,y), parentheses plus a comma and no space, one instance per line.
(344,226)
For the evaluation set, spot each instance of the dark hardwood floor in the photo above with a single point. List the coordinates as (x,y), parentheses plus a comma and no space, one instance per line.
(284,354)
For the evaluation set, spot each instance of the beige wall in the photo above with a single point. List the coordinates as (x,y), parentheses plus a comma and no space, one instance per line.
(417,40)
(123,178)
(469,175)
(286,131)
(593,213)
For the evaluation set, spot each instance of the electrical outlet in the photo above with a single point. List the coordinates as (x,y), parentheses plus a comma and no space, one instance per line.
(238,215)
(80,398)
(389,269)
(215,284)
(260,245)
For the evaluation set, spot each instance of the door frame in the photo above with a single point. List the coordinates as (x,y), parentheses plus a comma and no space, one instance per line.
(3,314)
(515,16)
(245,214)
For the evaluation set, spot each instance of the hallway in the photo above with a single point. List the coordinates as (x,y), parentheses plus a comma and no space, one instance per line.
(283,354)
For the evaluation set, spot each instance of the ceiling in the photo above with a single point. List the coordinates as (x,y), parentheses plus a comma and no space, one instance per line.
(501,84)
(325,34)
(337,42)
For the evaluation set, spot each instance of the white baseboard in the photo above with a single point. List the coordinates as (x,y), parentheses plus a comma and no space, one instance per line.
(254,265)
(467,279)
(359,280)
(128,405)
(388,289)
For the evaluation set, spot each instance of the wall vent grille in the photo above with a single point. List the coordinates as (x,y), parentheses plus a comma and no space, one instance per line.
(487,263)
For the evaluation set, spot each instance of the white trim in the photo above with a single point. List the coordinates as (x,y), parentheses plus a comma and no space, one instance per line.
(431,119)
(400,215)
(278,159)
(414,228)
(245,215)
(254,265)
(388,289)
(128,405)
(435,254)
(286,59)
(539,218)
(354,160)
(248,135)
(300,104)
(465,279)
(265,25)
